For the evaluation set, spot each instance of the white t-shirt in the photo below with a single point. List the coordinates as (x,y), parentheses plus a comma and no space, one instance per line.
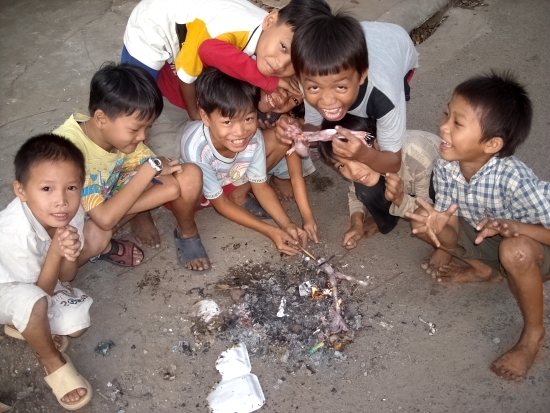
(24,242)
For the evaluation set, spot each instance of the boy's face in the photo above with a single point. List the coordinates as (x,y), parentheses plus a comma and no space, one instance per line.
(356,171)
(461,133)
(123,133)
(333,95)
(273,49)
(280,101)
(52,192)
(231,135)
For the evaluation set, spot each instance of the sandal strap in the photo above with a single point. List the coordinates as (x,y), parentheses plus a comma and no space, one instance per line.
(66,379)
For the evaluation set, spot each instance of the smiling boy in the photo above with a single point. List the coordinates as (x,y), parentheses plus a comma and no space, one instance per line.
(229,148)
(359,68)
(491,212)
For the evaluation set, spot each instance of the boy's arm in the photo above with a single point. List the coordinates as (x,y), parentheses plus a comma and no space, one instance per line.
(109,213)
(509,229)
(299,189)
(235,63)
(190,99)
(239,215)
(433,226)
(355,149)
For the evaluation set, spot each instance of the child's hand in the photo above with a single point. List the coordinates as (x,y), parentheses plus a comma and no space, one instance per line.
(350,149)
(170,166)
(284,242)
(290,84)
(491,227)
(297,234)
(68,241)
(266,124)
(281,129)
(394,188)
(352,235)
(433,222)
(310,227)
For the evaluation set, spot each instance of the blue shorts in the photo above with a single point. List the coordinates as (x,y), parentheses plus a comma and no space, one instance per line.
(126,57)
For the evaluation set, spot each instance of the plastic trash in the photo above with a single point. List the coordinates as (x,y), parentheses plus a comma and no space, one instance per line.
(206,310)
(239,391)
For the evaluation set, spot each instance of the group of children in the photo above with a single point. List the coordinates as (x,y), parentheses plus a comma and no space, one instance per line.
(483,210)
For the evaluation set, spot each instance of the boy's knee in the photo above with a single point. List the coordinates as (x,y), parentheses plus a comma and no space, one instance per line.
(518,253)
(191,176)
(419,211)
(40,309)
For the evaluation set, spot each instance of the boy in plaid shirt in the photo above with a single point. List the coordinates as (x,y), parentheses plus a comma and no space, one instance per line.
(492,214)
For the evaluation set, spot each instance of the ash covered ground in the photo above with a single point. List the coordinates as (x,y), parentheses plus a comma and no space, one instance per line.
(262,306)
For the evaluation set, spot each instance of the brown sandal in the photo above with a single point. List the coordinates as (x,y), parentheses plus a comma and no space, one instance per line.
(124,259)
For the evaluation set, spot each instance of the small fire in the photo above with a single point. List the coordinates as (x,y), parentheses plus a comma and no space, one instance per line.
(317,293)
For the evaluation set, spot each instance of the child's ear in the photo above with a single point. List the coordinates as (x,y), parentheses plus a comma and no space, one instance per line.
(204,117)
(494,145)
(19,191)
(364,77)
(100,119)
(271,19)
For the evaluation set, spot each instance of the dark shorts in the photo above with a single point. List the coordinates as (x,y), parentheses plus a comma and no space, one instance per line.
(488,250)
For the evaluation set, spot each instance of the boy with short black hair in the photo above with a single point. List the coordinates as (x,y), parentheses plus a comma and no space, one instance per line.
(229,148)
(41,247)
(491,211)
(123,176)
(359,68)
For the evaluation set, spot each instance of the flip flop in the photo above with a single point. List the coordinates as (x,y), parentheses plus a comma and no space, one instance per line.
(12,332)
(254,207)
(126,259)
(190,249)
(66,379)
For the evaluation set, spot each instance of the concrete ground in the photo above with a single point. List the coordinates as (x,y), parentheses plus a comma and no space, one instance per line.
(50,50)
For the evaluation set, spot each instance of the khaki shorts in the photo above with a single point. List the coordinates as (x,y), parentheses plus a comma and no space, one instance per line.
(488,250)
(68,308)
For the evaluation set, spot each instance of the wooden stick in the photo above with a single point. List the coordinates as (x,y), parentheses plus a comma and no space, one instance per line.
(309,254)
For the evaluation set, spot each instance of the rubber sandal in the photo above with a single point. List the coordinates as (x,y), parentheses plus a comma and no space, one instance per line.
(12,332)
(66,379)
(254,207)
(190,249)
(126,259)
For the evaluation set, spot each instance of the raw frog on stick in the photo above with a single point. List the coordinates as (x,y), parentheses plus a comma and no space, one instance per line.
(302,139)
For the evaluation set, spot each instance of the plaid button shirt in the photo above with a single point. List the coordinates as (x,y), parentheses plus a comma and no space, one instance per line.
(505,188)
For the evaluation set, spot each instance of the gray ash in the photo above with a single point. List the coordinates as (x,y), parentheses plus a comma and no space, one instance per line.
(250,297)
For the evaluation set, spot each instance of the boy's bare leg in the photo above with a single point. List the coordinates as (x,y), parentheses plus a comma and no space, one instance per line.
(240,194)
(39,337)
(144,230)
(370,227)
(436,261)
(190,183)
(521,257)
(282,187)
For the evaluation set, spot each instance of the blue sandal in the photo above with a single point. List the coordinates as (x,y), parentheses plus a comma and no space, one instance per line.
(254,207)
(190,249)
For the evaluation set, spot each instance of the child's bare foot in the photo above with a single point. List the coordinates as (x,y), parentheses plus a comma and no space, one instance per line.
(54,363)
(282,187)
(370,227)
(514,364)
(144,230)
(436,261)
(472,271)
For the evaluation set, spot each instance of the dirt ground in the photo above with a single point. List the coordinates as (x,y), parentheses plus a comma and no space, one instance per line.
(162,359)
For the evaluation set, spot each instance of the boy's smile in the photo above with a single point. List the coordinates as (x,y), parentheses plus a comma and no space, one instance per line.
(273,49)
(356,171)
(52,193)
(333,95)
(280,101)
(231,135)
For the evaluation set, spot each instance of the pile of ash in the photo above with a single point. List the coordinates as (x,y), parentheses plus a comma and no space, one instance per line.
(271,309)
